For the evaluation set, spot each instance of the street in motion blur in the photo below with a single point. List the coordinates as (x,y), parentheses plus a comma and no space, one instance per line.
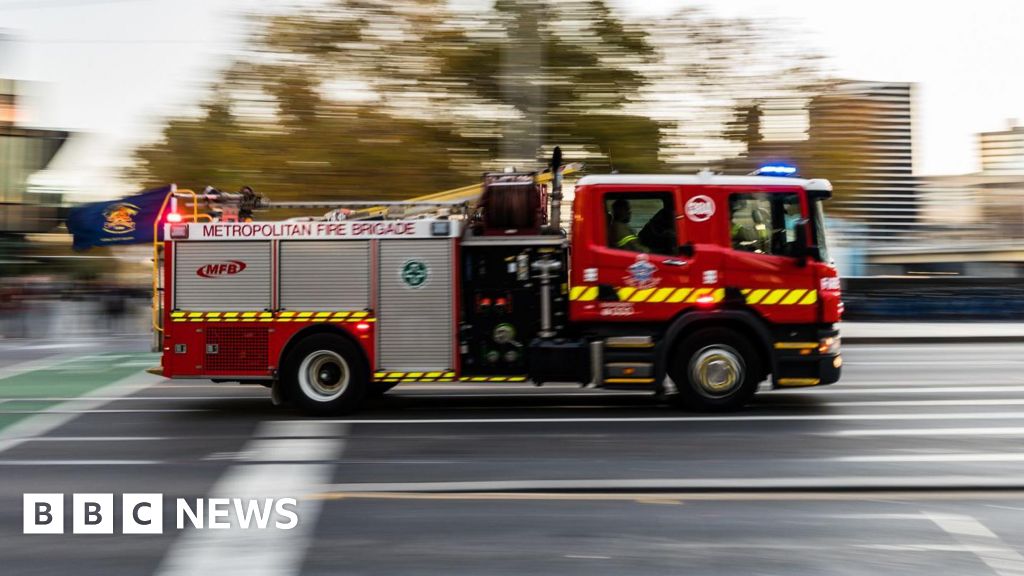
(366,113)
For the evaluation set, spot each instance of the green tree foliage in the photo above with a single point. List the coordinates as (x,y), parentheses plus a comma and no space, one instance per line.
(277,123)
(560,73)
(392,99)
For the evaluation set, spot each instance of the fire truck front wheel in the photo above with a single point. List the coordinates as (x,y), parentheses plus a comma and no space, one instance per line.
(714,370)
(325,374)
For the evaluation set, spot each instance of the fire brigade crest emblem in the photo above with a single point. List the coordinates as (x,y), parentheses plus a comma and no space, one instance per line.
(120,218)
(414,273)
(642,273)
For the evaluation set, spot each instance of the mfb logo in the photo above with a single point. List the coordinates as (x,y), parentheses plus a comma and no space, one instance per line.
(700,208)
(220,269)
(144,513)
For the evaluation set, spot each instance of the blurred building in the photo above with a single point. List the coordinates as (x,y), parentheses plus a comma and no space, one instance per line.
(24,151)
(972,224)
(1002,152)
(861,136)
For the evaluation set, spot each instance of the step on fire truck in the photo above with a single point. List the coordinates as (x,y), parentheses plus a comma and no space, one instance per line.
(697,287)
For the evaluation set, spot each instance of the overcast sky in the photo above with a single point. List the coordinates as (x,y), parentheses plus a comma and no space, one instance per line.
(116,68)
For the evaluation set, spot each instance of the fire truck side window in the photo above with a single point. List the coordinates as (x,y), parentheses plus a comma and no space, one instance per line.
(641,223)
(764,223)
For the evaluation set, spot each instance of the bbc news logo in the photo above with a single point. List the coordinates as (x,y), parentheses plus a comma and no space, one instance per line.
(144,513)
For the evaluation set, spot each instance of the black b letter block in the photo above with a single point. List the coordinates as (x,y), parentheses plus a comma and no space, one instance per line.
(93,514)
(42,514)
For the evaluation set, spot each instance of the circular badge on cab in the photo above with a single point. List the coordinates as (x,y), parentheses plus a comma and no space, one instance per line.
(700,208)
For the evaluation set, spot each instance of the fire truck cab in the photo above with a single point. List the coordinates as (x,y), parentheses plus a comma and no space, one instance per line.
(697,287)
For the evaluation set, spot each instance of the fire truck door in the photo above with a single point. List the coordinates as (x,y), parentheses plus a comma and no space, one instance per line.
(414,309)
(642,273)
(762,262)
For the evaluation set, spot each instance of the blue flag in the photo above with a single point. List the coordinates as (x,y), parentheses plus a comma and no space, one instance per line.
(125,221)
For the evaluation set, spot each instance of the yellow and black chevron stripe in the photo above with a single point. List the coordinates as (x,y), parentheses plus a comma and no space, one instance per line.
(282,316)
(780,296)
(654,295)
(760,296)
(393,377)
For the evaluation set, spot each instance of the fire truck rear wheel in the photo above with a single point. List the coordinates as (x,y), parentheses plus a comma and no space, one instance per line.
(714,370)
(325,374)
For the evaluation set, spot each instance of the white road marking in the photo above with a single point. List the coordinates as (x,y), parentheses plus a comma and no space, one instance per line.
(966,390)
(37,364)
(989,431)
(928,547)
(137,363)
(58,410)
(56,416)
(879,516)
(293,449)
(79,462)
(694,419)
(950,457)
(1014,508)
(135,398)
(929,363)
(1002,559)
(667,484)
(963,381)
(62,439)
(55,345)
(893,403)
(295,429)
(257,552)
(902,348)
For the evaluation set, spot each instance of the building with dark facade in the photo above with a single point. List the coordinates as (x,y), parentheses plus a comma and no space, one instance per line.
(24,151)
(859,135)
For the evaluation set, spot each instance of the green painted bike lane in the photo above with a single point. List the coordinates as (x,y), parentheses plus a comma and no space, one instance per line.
(31,392)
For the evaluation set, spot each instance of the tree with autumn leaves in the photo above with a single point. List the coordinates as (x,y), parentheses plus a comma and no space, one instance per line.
(393,99)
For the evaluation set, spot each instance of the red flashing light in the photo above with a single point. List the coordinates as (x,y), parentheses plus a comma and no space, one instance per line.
(363,326)
(173,217)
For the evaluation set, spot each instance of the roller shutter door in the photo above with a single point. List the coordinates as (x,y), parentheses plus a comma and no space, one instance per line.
(414,326)
(325,275)
(222,276)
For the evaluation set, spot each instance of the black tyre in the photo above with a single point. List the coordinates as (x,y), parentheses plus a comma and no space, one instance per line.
(714,370)
(325,374)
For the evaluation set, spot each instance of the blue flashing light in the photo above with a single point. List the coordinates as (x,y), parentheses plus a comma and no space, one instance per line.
(775,170)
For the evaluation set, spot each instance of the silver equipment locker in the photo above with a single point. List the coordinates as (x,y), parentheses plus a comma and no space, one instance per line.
(320,275)
(208,277)
(414,316)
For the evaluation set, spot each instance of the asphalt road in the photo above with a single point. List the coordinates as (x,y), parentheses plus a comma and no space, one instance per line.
(912,464)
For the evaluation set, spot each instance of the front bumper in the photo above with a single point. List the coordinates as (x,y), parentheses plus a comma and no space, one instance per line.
(808,362)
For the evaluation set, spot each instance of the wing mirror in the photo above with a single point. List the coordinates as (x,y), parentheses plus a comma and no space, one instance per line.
(803,249)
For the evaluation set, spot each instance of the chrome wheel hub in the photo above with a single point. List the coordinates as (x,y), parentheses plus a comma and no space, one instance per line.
(323,375)
(717,371)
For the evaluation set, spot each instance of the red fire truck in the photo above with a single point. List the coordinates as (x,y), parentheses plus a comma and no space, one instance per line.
(698,287)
